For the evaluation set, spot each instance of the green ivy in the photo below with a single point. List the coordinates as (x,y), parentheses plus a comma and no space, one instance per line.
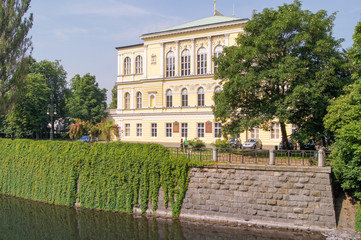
(111,176)
(358,219)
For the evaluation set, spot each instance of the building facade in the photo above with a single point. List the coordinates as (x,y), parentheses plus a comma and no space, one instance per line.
(166,84)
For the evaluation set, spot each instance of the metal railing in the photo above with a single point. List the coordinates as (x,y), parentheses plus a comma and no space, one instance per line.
(261,157)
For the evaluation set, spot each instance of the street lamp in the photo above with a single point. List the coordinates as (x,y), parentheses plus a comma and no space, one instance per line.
(51,112)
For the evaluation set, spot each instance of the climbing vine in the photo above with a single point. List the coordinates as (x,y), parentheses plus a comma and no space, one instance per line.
(110,176)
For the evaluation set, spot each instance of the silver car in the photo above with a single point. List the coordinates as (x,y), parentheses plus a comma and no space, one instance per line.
(252,144)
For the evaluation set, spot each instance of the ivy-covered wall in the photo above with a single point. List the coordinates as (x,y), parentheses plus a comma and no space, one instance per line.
(111,176)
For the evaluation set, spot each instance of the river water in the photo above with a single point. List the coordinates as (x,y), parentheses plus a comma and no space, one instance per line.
(28,220)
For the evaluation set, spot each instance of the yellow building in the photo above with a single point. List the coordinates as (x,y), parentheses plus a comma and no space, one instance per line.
(166,84)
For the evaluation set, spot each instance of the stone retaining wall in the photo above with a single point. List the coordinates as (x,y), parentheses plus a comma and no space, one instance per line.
(283,197)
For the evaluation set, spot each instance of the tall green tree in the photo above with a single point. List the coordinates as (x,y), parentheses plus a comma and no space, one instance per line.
(113,104)
(29,116)
(344,120)
(55,78)
(14,44)
(87,101)
(286,66)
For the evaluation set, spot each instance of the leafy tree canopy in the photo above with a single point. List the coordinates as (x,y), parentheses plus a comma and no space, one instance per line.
(87,101)
(113,104)
(286,67)
(344,120)
(14,44)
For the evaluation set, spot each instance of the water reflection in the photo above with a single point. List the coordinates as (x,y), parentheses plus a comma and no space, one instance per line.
(22,219)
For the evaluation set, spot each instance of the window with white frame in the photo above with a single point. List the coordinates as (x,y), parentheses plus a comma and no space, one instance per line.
(139,100)
(184,130)
(139,65)
(217,130)
(127,130)
(202,61)
(127,101)
(217,51)
(170,64)
(169,98)
(184,97)
(127,66)
(139,130)
(154,130)
(255,132)
(200,94)
(200,130)
(168,129)
(186,63)
(275,130)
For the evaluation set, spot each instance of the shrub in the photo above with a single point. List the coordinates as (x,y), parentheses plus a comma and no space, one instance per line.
(221,144)
(197,144)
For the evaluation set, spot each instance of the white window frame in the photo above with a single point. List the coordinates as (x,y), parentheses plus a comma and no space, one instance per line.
(186,63)
(139,100)
(255,132)
(200,97)
(202,61)
(275,131)
(170,64)
(127,100)
(127,130)
(184,130)
(154,130)
(184,97)
(217,51)
(168,130)
(139,65)
(217,130)
(169,98)
(127,66)
(200,130)
(139,130)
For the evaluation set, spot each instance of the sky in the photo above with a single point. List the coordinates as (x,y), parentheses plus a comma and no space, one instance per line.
(83,34)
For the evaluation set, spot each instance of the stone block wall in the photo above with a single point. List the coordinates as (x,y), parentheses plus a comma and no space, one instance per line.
(274,196)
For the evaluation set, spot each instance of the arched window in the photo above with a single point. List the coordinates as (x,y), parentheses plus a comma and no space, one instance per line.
(217,51)
(170,62)
(184,97)
(127,101)
(186,63)
(200,97)
(127,66)
(169,98)
(152,101)
(139,100)
(202,61)
(139,65)
(217,89)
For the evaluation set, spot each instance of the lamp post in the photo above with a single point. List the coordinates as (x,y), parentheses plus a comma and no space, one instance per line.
(51,112)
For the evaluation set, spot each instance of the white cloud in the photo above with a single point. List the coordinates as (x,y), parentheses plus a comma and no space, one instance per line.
(64,34)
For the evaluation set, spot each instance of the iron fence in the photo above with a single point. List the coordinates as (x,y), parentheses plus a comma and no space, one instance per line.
(261,157)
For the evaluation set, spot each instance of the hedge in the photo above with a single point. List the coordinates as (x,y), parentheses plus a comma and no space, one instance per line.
(110,176)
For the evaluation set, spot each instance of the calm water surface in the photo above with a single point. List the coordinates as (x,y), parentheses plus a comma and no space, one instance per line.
(23,219)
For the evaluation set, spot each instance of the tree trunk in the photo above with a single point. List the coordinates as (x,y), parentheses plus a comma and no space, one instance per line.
(284,136)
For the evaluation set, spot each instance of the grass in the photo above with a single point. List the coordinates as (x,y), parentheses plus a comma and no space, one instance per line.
(358,219)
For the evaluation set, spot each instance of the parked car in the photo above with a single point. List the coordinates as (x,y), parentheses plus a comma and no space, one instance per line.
(284,148)
(84,138)
(252,144)
(235,143)
(310,145)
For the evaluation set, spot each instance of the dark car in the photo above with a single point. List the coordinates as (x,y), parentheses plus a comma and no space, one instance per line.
(235,143)
(284,148)
(252,144)
(310,145)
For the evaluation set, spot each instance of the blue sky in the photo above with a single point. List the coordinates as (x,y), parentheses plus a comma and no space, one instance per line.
(83,34)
